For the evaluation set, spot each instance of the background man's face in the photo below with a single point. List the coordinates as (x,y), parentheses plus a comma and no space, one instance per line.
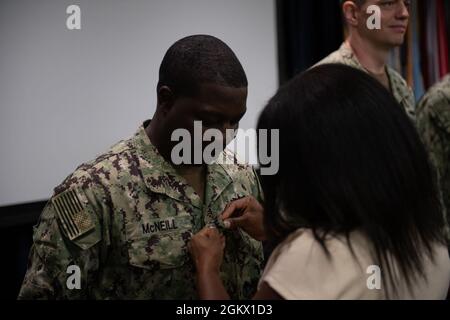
(394,22)
(217,107)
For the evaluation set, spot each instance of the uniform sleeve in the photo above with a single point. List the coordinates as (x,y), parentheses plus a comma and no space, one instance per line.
(67,245)
(433,122)
(256,187)
(429,128)
(410,103)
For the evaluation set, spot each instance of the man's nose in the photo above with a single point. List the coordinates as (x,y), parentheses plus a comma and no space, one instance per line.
(403,11)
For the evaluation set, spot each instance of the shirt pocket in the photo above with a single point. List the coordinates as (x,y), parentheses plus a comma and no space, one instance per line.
(161,243)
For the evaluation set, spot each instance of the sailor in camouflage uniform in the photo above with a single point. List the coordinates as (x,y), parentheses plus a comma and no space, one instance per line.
(433,122)
(363,47)
(126,217)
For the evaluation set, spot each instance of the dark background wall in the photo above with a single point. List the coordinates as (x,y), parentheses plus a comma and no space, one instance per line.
(16,230)
(308,30)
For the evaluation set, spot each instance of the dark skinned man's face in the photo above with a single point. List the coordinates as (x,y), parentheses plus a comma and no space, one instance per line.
(217,107)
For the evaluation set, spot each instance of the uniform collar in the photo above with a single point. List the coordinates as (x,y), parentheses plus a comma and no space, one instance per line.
(161,177)
(394,82)
(347,53)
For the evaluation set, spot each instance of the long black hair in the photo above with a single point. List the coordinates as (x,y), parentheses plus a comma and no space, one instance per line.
(351,159)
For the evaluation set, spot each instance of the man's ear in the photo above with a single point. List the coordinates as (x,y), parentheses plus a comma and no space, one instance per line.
(350,11)
(166,99)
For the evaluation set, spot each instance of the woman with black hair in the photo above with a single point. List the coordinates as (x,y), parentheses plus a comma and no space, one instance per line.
(353,211)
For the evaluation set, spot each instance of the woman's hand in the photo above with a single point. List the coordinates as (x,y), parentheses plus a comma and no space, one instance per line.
(248,214)
(206,248)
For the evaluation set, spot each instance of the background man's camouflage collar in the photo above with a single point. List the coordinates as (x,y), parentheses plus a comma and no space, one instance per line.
(347,53)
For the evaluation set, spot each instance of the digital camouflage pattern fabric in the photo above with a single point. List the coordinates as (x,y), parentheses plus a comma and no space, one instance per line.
(399,88)
(125,220)
(433,122)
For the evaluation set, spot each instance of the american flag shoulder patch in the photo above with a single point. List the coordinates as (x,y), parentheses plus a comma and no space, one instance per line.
(72,213)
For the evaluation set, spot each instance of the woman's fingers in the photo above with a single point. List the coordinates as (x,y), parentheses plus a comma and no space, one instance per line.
(234,223)
(206,234)
(234,208)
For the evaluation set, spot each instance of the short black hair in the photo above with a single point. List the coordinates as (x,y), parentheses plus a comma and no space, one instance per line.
(350,159)
(200,59)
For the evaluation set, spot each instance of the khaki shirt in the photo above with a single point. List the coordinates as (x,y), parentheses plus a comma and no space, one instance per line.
(125,219)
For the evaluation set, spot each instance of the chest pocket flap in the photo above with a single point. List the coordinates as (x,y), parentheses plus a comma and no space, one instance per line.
(161,243)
